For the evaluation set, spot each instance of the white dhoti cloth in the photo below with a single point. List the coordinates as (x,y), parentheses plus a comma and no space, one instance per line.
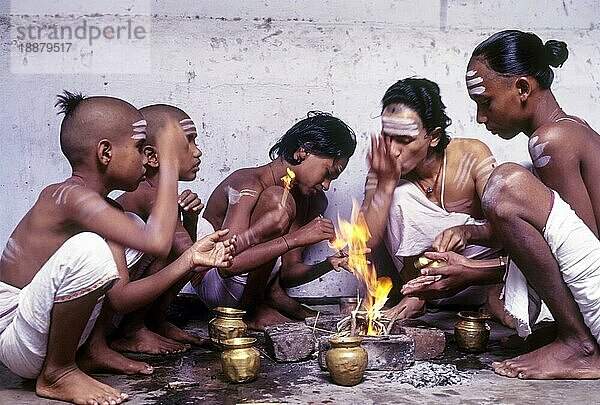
(214,290)
(413,224)
(577,252)
(84,263)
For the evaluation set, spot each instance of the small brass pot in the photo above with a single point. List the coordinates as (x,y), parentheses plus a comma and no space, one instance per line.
(227,324)
(472,332)
(346,360)
(240,360)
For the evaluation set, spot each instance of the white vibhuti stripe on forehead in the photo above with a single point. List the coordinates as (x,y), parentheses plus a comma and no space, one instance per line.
(139,129)
(399,127)
(188,126)
(472,81)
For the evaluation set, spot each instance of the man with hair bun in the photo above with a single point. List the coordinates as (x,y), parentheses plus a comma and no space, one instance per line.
(549,227)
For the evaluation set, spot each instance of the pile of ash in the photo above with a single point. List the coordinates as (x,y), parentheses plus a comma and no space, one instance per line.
(424,374)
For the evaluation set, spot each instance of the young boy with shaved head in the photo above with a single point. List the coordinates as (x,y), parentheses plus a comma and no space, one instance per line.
(66,254)
(147,330)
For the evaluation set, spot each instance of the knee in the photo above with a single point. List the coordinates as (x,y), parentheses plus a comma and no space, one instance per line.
(280,216)
(501,196)
(90,253)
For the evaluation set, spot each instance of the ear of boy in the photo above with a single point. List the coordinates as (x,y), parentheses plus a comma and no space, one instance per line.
(104,151)
(151,155)
(300,155)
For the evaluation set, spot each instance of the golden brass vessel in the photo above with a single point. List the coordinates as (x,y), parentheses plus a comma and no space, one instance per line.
(472,332)
(346,360)
(227,324)
(240,360)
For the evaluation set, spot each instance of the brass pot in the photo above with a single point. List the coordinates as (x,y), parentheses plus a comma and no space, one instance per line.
(227,324)
(240,360)
(472,332)
(346,360)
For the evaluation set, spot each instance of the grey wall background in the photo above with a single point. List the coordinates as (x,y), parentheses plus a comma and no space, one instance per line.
(245,71)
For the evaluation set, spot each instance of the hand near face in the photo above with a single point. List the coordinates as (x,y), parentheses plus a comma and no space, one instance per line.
(170,141)
(189,203)
(383,161)
(210,252)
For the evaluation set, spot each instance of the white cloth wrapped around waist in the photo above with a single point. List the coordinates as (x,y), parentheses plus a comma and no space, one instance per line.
(577,252)
(412,226)
(84,263)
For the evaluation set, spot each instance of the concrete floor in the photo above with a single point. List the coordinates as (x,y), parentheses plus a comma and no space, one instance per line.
(306,383)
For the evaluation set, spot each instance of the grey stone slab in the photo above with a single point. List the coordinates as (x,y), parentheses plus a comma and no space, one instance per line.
(289,342)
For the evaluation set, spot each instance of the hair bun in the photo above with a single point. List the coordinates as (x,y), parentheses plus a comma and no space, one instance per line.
(556,53)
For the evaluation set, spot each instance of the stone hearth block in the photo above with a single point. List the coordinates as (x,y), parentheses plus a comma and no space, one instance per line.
(393,352)
(289,341)
(429,342)
(328,322)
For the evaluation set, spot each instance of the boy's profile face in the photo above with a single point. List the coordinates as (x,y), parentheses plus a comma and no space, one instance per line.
(315,173)
(189,159)
(127,160)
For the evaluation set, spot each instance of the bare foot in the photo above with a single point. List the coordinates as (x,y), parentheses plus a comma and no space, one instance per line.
(561,359)
(144,340)
(167,329)
(265,316)
(99,358)
(73,385)
(277,298)
(495,307)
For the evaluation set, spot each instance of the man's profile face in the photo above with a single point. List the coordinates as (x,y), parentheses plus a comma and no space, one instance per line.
(497,99)
(404,128)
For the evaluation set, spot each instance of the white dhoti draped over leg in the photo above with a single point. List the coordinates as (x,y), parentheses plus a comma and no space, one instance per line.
(84,263)
(577,252)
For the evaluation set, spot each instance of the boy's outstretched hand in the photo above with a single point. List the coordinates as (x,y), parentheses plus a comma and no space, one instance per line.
(210,252)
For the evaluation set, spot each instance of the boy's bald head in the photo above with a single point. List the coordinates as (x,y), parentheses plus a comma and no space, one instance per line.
(90,119)
(156,116)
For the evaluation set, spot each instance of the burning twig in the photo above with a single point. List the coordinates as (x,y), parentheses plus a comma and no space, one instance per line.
(288,181)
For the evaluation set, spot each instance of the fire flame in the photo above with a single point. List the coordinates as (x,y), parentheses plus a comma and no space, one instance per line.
(354,235)
(288,181)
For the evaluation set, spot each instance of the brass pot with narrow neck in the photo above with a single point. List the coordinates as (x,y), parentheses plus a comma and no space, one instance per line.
(346,360)
(472,332)
(240,360)
(227,324)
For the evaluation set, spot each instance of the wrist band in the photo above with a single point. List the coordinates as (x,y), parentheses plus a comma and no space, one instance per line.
(286,244)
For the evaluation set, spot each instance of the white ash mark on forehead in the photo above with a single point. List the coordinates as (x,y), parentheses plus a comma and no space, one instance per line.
(399,126)
(139,129)
(473,81)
